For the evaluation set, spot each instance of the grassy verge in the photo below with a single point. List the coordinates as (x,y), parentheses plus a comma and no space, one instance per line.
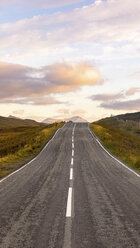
(122,144)
(18,145)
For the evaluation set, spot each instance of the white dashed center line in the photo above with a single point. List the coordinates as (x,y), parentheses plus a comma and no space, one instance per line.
(69,203)
(71,173)
(71,161)
(70,206)
(72,153)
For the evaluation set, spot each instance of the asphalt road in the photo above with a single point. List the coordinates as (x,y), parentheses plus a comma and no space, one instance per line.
(73,195)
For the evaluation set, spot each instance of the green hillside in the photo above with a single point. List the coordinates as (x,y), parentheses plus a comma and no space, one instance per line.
(129,123)
(130,116)
(121,136)
(15,122)
(20,140)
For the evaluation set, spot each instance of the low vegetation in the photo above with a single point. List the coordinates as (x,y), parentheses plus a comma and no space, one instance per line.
(12,121)
(122,138)
(19,144)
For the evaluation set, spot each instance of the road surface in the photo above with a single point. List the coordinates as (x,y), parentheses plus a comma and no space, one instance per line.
(73,195)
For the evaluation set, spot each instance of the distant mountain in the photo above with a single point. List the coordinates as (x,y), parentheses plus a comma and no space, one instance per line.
(73,119)
(12,121)
(51,120)
(77,119)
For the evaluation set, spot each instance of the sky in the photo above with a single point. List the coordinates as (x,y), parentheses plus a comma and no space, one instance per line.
(69,57)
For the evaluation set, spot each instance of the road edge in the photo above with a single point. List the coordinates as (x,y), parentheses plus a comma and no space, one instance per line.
(112,155)
(23,166)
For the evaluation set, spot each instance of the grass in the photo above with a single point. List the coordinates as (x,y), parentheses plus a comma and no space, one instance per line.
(15,122)
(127,126)
(19,144)
(123,144)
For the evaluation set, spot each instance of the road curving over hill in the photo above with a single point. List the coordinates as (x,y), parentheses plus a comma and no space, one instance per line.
(73,195)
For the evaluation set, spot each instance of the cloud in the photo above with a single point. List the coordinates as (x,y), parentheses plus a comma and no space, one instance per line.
(122,105)
(40,3)
(6,2)
(113,101)
(135,75)
(115,96)
(33,101)
(35,117)
(52,3)
(67,77)
(26,85)
(78,112)
(109,21)
(64,111)
(132,91)
(18,112)
(107,96)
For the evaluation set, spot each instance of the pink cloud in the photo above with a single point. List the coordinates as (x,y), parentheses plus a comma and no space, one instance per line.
(132,91)
(22,84)
(122,105)
(107,96)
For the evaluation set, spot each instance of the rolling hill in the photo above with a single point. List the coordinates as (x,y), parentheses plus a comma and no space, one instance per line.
(12,121)
(129,122)
(121,136)
(130,116)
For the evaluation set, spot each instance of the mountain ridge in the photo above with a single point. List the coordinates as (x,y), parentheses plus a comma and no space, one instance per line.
(73,119)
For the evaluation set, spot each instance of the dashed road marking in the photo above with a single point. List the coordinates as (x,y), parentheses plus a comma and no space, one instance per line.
(71,161)
(72,153)
(71,174)
(69,203)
